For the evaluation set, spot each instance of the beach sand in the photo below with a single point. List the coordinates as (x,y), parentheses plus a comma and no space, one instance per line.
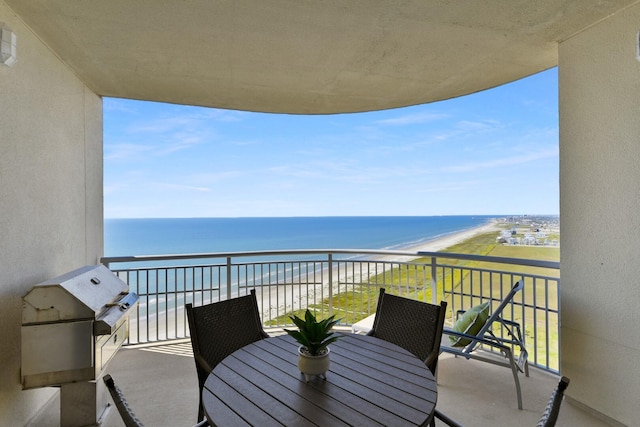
(440,243)
(290,297)
(444,242)
(277,299)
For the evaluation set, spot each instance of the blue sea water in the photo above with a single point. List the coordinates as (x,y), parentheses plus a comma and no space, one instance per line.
(155,236)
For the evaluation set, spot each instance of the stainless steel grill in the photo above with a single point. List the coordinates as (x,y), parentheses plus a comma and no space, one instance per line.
(72,326)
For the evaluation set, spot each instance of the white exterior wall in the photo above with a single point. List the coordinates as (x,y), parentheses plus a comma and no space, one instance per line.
(51,205)
(50,194)
(599,80)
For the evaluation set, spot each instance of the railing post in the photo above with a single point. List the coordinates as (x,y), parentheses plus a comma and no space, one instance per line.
(229,278)
(434,282)
(330,260)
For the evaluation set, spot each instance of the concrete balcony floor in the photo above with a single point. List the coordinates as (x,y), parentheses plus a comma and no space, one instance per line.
(160,384)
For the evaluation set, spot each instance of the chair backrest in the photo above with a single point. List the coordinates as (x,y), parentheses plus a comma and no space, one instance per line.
(495,315)
(125,411)
(413,325)
(218,329)
(550,414)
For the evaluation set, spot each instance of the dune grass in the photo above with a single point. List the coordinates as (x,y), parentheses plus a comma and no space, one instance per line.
(356,303)
(366,293)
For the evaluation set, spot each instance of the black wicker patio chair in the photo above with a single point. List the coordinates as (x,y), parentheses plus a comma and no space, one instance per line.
(550,414)
(218,329)
(413,325)
(125,411)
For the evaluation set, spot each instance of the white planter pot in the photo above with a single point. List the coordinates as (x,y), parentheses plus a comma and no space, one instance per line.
(313,365)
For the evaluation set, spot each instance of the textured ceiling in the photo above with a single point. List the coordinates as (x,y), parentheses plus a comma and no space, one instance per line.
(305,56)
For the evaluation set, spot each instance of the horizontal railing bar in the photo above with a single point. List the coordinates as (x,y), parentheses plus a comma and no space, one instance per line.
(168,257)
(486,270)
(496,259)
(418,254)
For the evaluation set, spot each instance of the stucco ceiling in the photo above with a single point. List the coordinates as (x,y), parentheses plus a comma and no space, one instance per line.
(305,56)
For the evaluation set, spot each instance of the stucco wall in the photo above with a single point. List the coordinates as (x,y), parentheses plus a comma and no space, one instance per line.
(50,194)
(599,80)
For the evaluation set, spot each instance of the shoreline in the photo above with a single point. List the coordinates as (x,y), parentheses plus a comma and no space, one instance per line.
(443,242)
(282,293)
(288,296)
(439,243)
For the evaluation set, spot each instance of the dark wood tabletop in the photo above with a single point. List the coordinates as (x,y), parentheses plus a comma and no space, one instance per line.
(370,382)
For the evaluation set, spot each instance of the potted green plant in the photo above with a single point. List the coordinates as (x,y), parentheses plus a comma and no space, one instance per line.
(314,338)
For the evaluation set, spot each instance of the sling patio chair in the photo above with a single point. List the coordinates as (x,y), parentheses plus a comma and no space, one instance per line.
(125,411)
(473,332)
(218,329)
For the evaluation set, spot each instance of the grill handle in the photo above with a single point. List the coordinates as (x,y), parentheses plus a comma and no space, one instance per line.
(113,314)
(126,302)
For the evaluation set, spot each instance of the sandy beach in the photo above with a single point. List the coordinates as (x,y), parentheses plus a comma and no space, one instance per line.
(440,243)
(443,242)
(276,299)
(295,297)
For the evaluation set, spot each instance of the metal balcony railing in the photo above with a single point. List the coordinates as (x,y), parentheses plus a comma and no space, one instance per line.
(342,282)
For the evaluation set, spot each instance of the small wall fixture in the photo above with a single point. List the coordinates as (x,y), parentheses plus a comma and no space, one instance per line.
(8,40)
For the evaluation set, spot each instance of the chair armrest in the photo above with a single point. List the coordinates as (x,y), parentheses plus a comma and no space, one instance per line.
(493,342)
(509,322)
(513,329)
(503,345)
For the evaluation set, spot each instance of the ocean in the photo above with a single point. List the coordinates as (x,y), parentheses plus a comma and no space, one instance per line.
(168,292)
(157,236)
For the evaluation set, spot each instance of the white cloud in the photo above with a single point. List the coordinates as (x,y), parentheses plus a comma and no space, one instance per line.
(168,186)
(505,161)
(475,126)
(110,105)
(410,119)
(126,151)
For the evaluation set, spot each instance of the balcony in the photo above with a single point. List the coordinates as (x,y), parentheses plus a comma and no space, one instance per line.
(160,383)
(342,282)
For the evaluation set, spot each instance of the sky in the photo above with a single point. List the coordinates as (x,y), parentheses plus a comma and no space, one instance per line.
(494,152)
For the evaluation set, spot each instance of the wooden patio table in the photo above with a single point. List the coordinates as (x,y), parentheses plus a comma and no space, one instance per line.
(370,382)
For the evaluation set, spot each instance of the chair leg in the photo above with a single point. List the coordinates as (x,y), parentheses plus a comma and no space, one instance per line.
(514,371)
(445,419)
(200,414)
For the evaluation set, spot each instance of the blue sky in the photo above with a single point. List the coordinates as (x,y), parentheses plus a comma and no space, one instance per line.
(493,152)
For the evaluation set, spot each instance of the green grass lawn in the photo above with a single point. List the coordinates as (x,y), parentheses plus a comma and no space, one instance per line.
(482,244)
(348,305)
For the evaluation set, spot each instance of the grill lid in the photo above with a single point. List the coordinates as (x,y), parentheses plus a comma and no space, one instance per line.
(84,293)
